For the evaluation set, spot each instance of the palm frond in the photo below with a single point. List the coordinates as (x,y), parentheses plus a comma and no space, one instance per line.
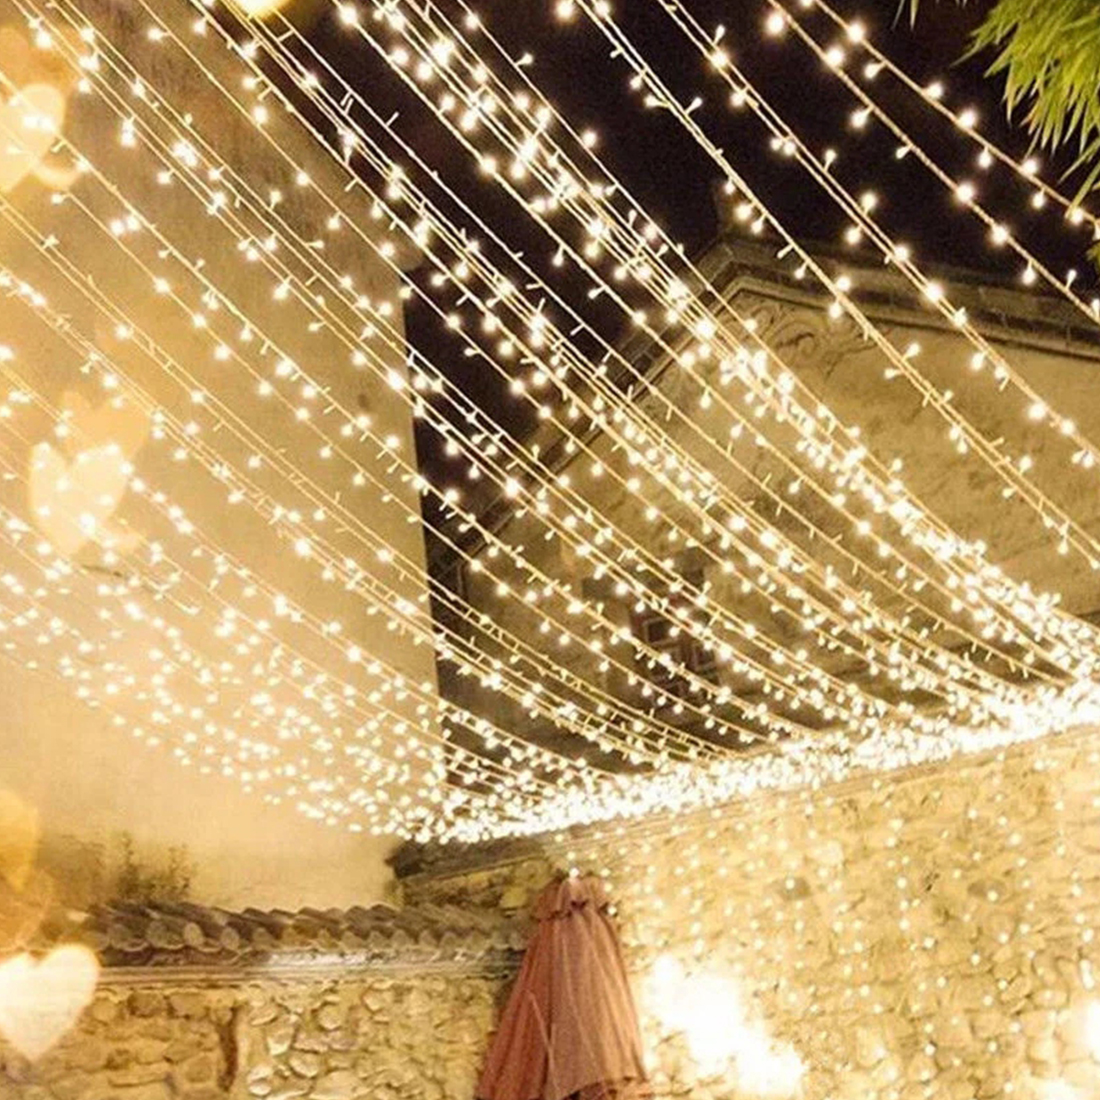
(1048,53)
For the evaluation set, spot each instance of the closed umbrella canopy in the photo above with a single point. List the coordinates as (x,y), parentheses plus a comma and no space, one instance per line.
(570,1027)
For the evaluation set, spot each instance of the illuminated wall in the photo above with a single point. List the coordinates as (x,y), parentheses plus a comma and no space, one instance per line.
(89,779)
(407,1036)
(928,936)
(916,937)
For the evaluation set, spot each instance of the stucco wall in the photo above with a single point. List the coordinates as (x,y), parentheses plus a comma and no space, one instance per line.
(92,780)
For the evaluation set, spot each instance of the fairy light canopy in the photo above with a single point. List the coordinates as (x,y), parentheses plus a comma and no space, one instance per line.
(717,558)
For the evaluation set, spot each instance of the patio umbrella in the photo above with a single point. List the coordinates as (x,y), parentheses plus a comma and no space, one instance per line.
(569,1028)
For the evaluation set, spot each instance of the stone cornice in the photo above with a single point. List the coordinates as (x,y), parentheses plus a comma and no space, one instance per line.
(310,967)
(180,939)
(1003,313)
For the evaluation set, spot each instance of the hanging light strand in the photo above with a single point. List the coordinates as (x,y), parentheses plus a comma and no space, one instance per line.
(348,94)
(455,644)
(948,549)
(964,121)
(1013,471)
(311,83)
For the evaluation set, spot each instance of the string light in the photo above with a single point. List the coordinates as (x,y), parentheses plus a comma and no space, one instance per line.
(964,191)
(513,552)
(301,540)
(557,159)
(349,95)
(517,328)
(965,436)
(236,615)
(966,121)
(412,773)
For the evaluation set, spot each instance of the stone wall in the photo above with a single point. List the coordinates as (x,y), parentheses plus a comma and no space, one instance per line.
(386,1037)
(922,936)
(926,936)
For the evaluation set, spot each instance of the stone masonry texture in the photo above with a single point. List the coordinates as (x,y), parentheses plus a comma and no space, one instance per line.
(919,936)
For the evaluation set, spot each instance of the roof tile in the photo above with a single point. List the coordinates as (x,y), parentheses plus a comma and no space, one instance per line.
(178,934)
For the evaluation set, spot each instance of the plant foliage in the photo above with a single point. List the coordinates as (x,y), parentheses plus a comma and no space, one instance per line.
(1048,52)
(144,885)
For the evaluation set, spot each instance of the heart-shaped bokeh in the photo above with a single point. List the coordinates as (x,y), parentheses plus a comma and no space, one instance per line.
(72,502)
(41,999)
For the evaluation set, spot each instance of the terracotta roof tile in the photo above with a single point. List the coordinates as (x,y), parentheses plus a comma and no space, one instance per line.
(184,934)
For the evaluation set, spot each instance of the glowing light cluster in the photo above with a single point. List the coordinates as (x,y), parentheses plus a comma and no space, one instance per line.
(779,911)
(711,1013)
(420,766)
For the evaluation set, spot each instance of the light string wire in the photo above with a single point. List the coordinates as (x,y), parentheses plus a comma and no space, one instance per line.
(185,431)
(752,783)
(217,553)
(311,84)
(965,437)
(944,549)
(473,262)
(239,487)
(962,432)
(350,94)
(186,660)
(225,558)
(963,191)
(970,203)
(705,745)
(1076,213)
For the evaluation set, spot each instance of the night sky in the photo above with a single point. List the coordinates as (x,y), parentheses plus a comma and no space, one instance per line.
(675,180)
